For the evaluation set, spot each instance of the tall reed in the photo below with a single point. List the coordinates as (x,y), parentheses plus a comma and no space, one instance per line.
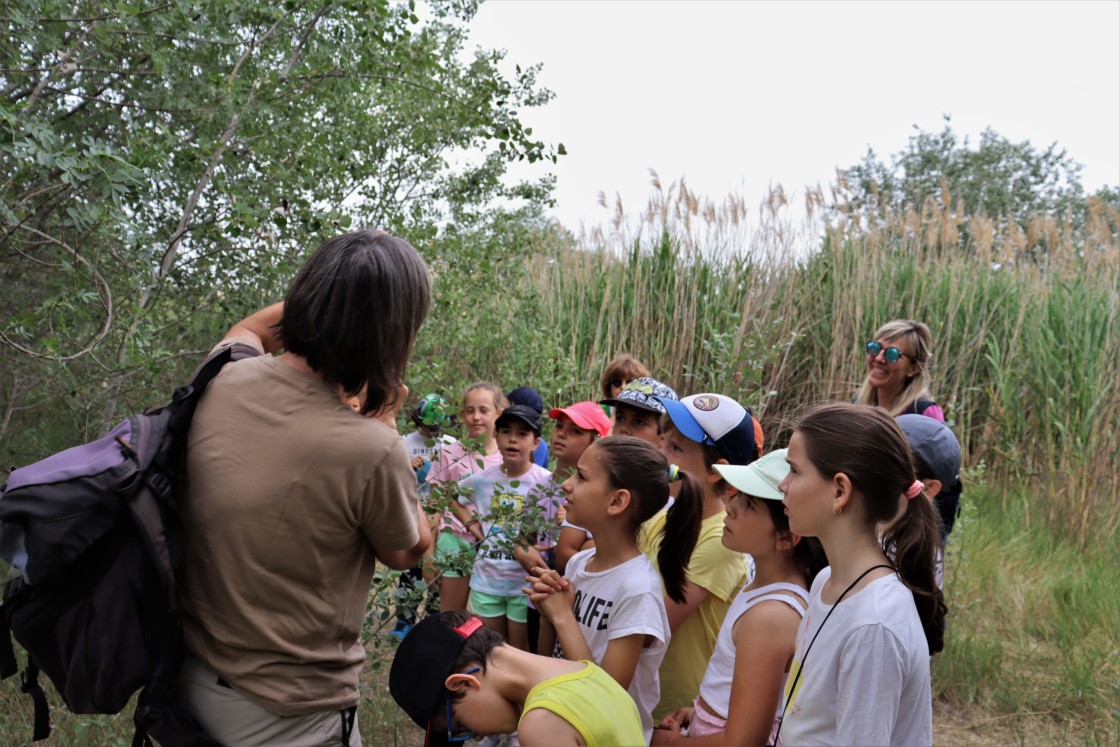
(1026,345)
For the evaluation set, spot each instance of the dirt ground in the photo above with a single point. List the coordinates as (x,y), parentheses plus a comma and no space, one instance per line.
(973,726)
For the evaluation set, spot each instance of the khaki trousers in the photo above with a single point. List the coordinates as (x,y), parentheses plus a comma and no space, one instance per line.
(236,721)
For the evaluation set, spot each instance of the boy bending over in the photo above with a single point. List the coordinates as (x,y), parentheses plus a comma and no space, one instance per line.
(458,679)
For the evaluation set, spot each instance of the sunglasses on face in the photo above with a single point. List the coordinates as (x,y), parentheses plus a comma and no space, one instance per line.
(454,733)
(890,355)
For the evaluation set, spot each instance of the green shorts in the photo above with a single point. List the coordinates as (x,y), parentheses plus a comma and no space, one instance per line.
(448,546)
(490,605)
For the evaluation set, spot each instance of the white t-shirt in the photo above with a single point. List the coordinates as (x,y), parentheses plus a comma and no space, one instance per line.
(715,688)
(866,680)
(624,600)
(417,445)
(495,570)
(569,524)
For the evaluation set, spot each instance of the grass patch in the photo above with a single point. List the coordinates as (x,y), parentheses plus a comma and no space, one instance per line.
(1032,631)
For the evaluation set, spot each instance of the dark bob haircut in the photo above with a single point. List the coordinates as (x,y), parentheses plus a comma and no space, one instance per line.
(353,312)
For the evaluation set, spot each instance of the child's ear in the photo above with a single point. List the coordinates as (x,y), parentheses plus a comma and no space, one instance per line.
(841,492)
(713,477)
(932,488)
(787,540)
(460,683)
(619,502)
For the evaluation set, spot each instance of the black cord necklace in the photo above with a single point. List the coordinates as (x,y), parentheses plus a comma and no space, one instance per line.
(808,648)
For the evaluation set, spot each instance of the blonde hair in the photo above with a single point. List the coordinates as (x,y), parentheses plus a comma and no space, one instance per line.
(500,401)
(918,338)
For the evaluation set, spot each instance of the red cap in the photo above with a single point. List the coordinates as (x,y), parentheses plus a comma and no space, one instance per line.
(586,415)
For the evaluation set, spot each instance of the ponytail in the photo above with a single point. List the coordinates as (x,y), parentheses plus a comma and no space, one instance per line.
(809,558)
(912,542)
(868,446)
(679,537)
(639,467)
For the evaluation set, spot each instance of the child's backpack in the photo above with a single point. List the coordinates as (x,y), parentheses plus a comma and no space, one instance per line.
(95,533)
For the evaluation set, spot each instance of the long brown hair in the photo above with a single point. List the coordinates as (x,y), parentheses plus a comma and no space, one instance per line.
(638,466)
(868,446)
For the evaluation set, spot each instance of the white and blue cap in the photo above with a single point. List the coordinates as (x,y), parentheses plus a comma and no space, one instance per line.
(718,421)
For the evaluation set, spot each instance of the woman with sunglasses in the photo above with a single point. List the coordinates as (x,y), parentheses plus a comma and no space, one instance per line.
(897,378)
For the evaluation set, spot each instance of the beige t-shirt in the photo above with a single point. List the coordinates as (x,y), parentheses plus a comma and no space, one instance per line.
(289,492)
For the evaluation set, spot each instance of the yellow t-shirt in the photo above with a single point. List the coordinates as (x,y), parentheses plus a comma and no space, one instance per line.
(719,570)
(594,704)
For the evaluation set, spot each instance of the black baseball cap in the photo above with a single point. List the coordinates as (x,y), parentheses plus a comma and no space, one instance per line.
(423,662)
(524,413)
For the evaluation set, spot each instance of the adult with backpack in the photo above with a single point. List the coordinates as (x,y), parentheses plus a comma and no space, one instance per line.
(291,497)
(260,563)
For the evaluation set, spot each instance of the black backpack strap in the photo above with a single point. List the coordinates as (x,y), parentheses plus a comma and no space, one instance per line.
(185,398)
(348,715)
(8,663)
(141,739)
(161,715)
(210,367)
(205,373)
(918,406)
(30,684)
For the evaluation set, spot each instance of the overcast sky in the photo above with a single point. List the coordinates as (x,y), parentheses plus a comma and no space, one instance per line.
(738,95)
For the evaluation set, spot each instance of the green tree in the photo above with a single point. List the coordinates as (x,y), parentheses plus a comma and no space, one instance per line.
(999,178)
(163,170)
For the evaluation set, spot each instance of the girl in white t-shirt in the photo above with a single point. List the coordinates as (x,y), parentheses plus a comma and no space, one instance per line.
(740,694)
(609,607)
(861,672)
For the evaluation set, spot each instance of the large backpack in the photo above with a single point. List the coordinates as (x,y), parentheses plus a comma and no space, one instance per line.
(95,533)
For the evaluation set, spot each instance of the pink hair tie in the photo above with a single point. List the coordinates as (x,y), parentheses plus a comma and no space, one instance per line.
(915,490)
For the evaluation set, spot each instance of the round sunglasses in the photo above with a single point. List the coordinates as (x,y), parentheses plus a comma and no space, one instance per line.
(890,355)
